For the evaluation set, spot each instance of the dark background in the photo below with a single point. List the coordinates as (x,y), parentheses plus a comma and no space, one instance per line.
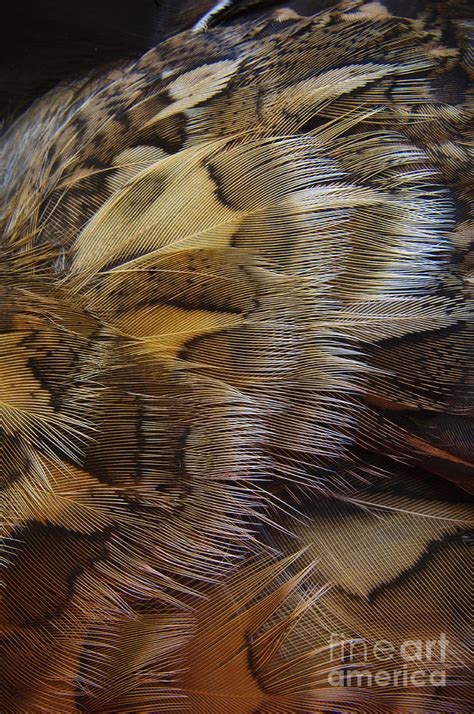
(43,42)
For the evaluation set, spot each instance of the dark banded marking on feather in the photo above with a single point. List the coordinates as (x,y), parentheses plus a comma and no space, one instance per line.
(422,563)
(47,560)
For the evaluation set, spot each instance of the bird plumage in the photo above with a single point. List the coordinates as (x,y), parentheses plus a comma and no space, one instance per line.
(236,369)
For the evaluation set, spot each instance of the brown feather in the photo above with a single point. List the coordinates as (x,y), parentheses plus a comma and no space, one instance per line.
(236,370)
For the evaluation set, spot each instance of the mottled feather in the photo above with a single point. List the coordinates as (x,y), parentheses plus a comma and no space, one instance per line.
(236,370)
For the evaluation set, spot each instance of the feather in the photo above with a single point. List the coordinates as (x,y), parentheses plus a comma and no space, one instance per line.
(236,370)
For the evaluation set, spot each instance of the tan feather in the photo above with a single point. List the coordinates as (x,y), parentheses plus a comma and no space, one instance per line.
(236,372)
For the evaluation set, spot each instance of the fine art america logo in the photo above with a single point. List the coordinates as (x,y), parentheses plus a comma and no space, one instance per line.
(411,663)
